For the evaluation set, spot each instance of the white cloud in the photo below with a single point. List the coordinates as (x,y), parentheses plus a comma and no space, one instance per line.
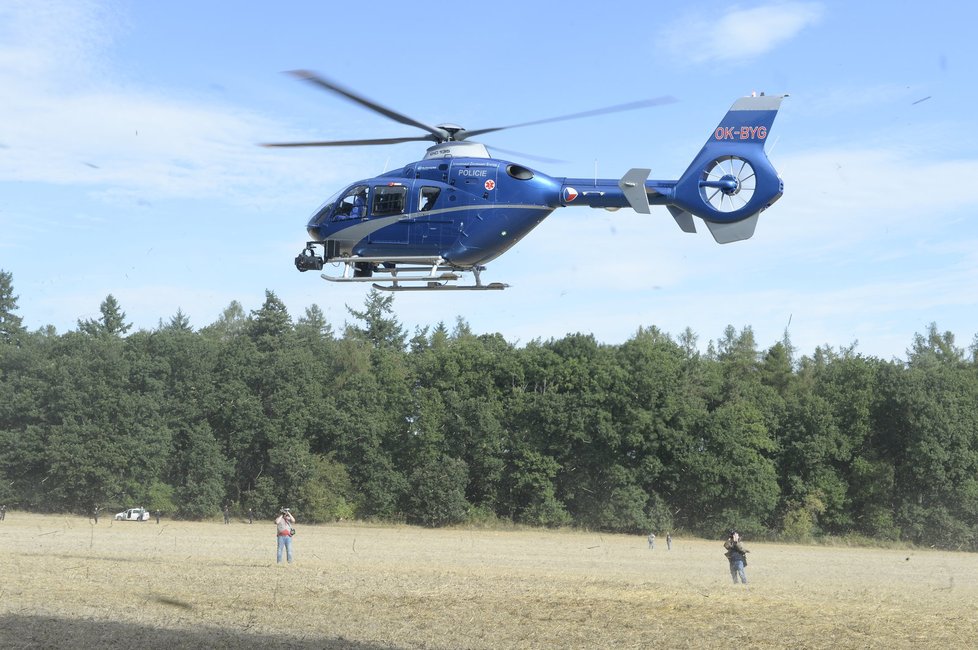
(853,99)
(79,124)
(59,44)
(740,34)
(158,147)
(841,195)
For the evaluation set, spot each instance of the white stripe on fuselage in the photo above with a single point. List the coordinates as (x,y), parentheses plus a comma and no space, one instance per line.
(357,231)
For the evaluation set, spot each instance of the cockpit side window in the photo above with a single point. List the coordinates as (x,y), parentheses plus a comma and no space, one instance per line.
(353,205)
(427,199)
(388,200)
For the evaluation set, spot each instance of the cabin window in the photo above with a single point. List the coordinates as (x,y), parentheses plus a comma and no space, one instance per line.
(428,197)
(388,200)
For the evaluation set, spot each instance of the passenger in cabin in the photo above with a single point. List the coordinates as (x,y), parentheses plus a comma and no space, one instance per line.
(428,197)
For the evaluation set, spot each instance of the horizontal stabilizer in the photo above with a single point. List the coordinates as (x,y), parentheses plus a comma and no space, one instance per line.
(683,218)
(632,185)
(725,233)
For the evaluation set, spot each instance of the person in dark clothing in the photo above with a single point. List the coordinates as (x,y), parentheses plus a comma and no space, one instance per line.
(736,556)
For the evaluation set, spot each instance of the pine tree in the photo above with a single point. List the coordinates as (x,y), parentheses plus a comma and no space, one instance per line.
(10,324)
(111,323)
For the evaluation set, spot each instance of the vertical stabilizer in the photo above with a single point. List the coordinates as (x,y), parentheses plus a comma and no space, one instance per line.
(731,181)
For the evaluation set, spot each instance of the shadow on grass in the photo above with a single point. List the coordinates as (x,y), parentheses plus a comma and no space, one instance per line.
(19,631)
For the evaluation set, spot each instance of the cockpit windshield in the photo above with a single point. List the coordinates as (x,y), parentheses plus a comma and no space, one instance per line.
(323,211)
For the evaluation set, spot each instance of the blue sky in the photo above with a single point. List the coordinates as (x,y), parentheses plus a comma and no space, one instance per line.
(129,165)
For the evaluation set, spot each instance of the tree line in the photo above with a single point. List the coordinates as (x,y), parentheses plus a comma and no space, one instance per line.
(445,426)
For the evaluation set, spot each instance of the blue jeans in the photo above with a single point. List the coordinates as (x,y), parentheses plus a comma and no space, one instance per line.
(284,541)
(737,569)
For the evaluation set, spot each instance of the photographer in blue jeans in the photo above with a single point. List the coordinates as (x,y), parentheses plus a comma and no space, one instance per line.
(737,556)
(285,531)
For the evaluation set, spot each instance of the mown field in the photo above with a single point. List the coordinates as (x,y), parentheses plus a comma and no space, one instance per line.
(67,583)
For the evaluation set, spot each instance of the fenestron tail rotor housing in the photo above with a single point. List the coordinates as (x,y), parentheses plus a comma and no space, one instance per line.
(728,183)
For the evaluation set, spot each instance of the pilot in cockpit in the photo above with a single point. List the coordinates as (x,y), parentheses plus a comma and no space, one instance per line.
(359,205)
(353,205)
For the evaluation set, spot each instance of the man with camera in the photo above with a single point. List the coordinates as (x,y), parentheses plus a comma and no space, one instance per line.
(736,556)
(283,524)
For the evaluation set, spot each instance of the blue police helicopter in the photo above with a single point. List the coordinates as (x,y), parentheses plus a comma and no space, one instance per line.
(421,227)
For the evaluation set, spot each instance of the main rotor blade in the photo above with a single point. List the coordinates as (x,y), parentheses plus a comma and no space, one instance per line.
(353,143)
(313,78)
(520,154)
(631,106)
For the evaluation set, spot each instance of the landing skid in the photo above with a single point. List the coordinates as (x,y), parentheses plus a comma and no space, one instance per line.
(435,274)
(443,286)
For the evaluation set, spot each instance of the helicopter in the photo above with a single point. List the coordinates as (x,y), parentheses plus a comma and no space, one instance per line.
(425,225)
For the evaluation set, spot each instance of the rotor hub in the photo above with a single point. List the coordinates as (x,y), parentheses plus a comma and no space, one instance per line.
(729,184)
(452,130)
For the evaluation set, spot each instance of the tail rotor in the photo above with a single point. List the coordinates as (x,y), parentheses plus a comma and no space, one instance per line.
(731,181)
(728,183)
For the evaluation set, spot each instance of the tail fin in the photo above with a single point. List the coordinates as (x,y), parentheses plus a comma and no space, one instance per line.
(731,181)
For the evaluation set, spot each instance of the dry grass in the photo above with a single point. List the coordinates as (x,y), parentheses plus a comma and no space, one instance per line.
(67,583)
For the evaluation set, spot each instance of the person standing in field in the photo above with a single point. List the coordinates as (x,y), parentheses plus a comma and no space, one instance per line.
(3,512)
(651,541)
(668,541)
(251,515)
(284,532)
(95,512)
(736,556)
(227,514)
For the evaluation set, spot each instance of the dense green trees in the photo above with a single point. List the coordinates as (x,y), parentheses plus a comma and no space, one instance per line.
(258,410)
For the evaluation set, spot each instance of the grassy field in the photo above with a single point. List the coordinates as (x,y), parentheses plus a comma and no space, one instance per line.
(67,583)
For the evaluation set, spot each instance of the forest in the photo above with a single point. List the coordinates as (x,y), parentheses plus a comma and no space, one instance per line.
(445,426)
